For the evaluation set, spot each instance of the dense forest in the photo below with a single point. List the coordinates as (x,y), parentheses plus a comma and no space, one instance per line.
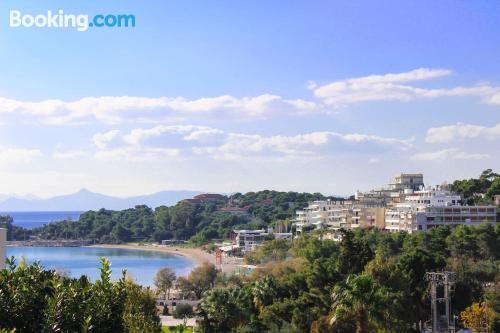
(369,282)
(183,221)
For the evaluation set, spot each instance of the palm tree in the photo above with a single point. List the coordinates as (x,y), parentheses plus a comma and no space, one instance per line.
(264,291)
(361,296)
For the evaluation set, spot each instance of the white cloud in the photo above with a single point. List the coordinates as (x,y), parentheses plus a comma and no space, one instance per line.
(137,154)
(138,135)
(448,154)
(462,131)
(389,87)
(216,143)
(101,140)
(495,99)
(238,145)
(116,109)
(69,154)
(18,155)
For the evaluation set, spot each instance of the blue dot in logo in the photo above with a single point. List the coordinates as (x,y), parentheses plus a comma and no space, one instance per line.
(91,24)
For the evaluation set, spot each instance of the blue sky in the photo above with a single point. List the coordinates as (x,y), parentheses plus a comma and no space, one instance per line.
(328,96)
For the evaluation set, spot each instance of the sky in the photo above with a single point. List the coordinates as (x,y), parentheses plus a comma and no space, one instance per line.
(236,96)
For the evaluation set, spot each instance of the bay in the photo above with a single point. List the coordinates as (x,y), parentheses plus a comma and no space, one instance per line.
(77,261)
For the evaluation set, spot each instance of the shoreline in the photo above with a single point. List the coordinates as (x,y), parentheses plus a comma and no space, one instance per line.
(197,255)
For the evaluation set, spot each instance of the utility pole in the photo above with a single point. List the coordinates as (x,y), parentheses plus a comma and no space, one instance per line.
(445,280)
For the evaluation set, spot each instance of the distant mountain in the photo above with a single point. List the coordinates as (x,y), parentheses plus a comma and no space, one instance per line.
(86,200)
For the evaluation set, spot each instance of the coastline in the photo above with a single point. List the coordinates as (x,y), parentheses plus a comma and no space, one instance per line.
(196,255)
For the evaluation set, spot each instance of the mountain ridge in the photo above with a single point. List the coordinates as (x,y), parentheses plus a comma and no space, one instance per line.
(84,200)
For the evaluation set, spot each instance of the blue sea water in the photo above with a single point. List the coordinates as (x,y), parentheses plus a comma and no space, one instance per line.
(77,261)
(32,220)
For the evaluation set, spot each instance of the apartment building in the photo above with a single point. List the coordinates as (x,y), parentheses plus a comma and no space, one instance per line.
(248,240)
(322,214)
(405,205)
(335,215)
(403,181)
(431,207)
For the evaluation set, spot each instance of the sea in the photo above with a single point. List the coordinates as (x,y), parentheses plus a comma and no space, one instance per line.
(141,265)
(32,220)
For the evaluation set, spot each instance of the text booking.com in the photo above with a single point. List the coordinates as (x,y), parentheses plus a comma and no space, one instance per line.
(80,22)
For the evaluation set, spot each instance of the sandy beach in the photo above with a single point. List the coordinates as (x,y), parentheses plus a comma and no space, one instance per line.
(197,255)
(194,254)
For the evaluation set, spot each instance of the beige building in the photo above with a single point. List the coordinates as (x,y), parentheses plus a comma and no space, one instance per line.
(404,181)
(335,215)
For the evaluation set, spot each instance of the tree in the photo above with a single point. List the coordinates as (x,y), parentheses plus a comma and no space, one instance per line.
(494,188)
(164,281)
(478,317)
(201,279)
(265,291)
(183,311)
(362,297)
(222,310)
(36,300)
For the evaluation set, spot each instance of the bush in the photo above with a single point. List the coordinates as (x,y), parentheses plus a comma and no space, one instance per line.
(183,311)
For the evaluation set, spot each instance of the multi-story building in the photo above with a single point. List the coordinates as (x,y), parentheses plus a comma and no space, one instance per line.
(322,214)
(431,207)
(469,215)
(403,181)
(248,240)
(406,205)
(394,193)
(335,215)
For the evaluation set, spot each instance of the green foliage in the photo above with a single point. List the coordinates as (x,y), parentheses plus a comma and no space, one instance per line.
(164,281)
(369,282)
(273,250)
(199,280)
(36,300)
(198,223)
(14,232)
(183,311)
(488,184)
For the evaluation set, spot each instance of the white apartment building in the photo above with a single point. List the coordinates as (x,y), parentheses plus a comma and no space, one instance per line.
(335,215)
(469,215)
(249,240)
(405,205)
(431,207)
(323,214)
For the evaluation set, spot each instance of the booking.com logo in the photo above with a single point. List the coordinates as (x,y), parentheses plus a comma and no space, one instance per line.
(80,22)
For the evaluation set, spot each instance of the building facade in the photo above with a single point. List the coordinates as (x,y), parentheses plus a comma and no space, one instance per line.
(431,207)
(405,205)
